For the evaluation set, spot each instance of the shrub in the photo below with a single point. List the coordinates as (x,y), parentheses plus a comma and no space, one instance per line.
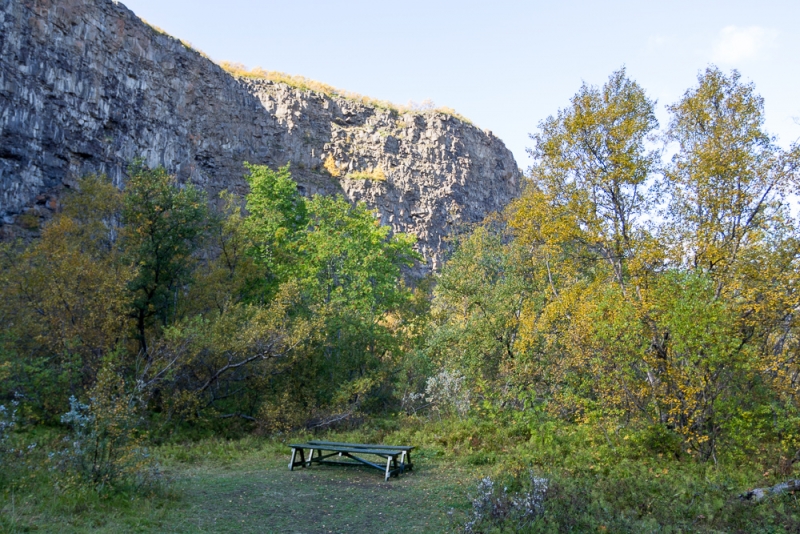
(447,393)
(494,508)
(105,446)
(8,420)
(331,166)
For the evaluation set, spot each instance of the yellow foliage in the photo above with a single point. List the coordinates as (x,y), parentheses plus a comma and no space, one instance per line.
(107,445)
(80,298)
(331,166)
(375,174)
(666,314)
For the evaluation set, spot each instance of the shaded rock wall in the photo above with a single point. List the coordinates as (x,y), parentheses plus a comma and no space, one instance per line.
(86,86)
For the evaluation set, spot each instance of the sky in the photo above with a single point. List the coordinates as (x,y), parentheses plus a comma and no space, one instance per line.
(506,65)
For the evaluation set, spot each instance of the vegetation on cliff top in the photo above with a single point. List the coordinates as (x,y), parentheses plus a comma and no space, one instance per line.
(305,84)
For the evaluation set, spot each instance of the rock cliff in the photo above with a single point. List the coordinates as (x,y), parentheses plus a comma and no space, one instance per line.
(86,86)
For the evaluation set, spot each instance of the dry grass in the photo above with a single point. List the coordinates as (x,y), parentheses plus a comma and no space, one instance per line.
(335,170)
(375,174)
(186,44)
(305,84)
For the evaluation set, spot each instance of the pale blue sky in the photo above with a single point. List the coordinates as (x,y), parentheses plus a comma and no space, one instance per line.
(506,64)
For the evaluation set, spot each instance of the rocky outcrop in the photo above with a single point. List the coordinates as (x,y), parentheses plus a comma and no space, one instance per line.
(86,86)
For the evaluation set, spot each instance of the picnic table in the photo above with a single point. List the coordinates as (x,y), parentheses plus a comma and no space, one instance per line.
(398,457)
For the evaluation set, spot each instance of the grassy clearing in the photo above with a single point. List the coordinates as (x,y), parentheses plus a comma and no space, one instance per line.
(597,482)
(245,486)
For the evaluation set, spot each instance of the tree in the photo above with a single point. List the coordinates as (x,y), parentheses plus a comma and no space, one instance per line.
(582,222)
(728,181)
(714,271)
(65,301)
(163,226)
(478,302)
(350,277)
(277,217)
(228,272)
(591,160)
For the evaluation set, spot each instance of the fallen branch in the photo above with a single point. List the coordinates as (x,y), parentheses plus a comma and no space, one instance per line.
(243,416)
(330,421)
(758,494)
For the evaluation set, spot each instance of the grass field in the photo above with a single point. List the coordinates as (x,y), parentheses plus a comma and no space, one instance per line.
(252,490)
(596,483)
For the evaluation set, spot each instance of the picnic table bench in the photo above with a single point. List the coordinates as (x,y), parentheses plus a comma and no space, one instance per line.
(398,457)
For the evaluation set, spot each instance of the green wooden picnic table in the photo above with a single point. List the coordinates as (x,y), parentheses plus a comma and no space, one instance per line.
(398,457)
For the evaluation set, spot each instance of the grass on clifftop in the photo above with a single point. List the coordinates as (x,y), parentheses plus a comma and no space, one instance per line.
(305,84)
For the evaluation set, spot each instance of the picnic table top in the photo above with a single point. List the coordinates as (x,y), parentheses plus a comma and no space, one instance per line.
(352,447)
(362,445)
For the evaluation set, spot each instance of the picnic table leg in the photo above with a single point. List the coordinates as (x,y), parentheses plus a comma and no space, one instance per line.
(388,465)
(291,462)
(403,462)
(311,457)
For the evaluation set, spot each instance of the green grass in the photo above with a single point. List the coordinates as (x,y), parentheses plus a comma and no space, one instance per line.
(598,482)
(245,486)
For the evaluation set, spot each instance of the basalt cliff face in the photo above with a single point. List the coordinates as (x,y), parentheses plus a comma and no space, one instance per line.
(86,87)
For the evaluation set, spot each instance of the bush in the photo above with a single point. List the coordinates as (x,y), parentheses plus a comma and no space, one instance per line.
(494,508)
(447,393)
(8,420)
(105,446)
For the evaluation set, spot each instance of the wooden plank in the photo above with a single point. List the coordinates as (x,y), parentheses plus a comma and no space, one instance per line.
(388,474)
(365,462)
(346,449)
(322,457)
(362,445)
(347,464)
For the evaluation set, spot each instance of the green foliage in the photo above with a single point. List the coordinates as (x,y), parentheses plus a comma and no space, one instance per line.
(597,477)
(346,273)
(288,313)
(494,508)
(349,276)
(350,261)
(230,275)
(277,216)
(164,225)
(477,305)
(620,320)
(8,420)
